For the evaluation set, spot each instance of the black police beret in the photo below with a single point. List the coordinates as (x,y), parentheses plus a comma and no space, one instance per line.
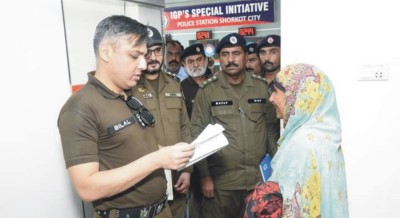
(197,48)
(269,41)
(232,39)
(154,37)
(251,48)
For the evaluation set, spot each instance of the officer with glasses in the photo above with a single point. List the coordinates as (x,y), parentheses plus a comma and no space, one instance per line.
(108,136)
(162,96)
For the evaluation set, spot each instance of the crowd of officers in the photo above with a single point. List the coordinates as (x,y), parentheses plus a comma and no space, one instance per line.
(181,92)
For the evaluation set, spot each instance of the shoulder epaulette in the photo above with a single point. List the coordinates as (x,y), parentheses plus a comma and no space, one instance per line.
(208,81)
(255,76)
(172,75)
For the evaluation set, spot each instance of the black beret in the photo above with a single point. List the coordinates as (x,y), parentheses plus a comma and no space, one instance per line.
(154,37)
(269,41)
(232,39)
(194,49)
(251,48)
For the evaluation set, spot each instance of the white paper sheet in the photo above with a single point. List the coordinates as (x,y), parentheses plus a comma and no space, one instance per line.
(208,142)
(170,191)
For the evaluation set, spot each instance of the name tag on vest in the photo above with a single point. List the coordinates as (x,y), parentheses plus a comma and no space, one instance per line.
(257,101)
(171,94)
(148,95)
(121,125)
(221,103)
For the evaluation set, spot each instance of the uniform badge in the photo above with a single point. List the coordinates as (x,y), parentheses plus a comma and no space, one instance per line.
(270,40)
(150,32)
(197,49)
(141,90)
(251,49)
(233,40)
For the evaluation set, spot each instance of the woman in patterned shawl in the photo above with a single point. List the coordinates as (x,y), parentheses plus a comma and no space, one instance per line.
(308,169)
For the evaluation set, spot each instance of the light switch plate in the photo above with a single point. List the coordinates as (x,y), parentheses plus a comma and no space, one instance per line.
(373,72)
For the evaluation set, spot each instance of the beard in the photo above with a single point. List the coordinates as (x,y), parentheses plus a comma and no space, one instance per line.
(196,72)
(152,71)
(272,68)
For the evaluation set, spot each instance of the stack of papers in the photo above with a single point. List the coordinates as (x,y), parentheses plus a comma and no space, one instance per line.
(208,142)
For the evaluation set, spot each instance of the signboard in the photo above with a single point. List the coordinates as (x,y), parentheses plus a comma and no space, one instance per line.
(221,14)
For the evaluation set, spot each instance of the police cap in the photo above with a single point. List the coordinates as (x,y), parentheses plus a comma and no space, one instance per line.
(231,40)
(194,49)
(154,37)
(251,48)
(269,41)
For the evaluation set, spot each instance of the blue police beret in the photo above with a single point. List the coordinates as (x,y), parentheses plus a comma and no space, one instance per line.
(251,48)
(230,40)
(154,37)
(269,41)
(194,49)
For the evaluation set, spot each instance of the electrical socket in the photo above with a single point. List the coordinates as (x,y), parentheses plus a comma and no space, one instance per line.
(373,72)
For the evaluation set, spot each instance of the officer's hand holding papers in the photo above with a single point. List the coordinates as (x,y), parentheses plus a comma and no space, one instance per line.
(208,142)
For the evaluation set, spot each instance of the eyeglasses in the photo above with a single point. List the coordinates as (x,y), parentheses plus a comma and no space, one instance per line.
(144,116)
(157,52)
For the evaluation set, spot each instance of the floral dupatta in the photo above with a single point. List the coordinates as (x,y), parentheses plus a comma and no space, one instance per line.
(309,165)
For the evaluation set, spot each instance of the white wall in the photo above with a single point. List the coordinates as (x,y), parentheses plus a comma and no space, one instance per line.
(81,19)
(339,37)
(33,87)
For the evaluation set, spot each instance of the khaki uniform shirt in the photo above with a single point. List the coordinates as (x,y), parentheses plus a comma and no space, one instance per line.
(168,107)
(96,125)
(243,115)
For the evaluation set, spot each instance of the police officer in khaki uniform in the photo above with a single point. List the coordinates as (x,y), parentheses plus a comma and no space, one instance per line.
(195,63)
(237,101)
(253,63)
(269,51)
(163,97)
(108,139)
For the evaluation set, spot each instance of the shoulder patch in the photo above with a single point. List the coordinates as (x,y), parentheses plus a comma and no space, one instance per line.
(208,81)
(173,76)
(255,76)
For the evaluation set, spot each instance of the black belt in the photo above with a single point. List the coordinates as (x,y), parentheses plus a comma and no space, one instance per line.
(139,212)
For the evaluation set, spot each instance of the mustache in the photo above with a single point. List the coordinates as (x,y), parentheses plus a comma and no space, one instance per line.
(173,62)
(267,62)
(153,62)
(232,64)
(249,69)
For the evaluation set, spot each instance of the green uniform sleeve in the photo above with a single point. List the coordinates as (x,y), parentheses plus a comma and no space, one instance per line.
(201,117)
(185,129)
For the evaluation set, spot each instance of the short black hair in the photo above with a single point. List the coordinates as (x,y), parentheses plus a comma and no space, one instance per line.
(175,42)
(118,25)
